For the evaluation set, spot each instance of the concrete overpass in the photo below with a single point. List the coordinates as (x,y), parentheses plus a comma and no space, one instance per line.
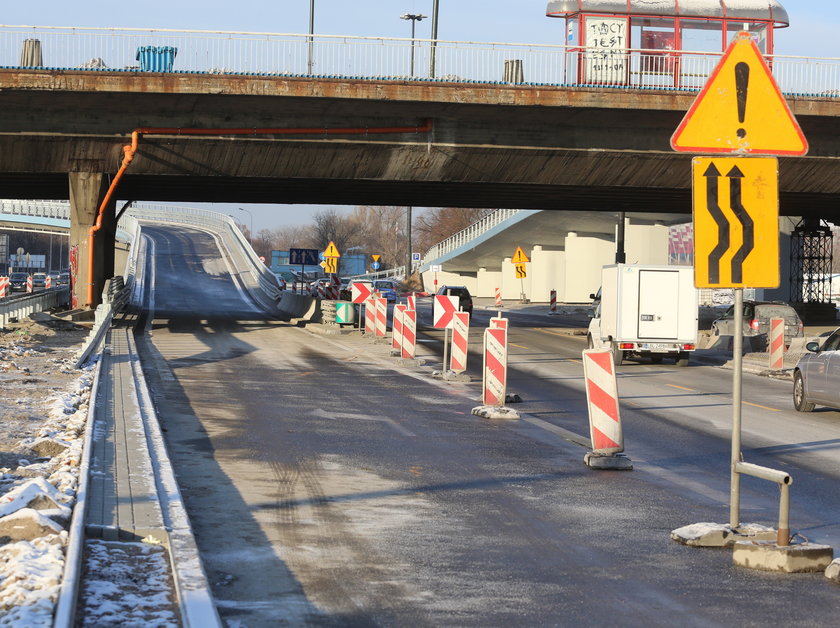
(305,139)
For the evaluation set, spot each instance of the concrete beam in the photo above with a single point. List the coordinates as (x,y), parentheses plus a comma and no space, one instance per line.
(87,190)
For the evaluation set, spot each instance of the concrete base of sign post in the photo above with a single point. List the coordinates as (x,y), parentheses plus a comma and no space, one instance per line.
(451,376)
(706,534)
(832,572)
(796,558)
(410,362)
(495,412)
(605,462)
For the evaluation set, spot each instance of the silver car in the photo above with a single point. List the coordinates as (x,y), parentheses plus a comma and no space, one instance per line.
(816,378)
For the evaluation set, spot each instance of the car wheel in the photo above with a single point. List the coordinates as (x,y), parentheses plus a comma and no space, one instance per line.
(800,402)
(617,354)
(590,344)
(682,358)
(656,359)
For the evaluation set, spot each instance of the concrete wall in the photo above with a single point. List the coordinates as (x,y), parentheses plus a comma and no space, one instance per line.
(585,256)
(448,279)
(646,244)
(487,282)
(548,272)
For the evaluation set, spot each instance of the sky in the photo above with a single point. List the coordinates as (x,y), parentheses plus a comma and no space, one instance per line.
(813,32)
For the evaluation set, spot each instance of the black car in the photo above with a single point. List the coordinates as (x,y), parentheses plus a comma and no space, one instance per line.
(17,281)
(465,301)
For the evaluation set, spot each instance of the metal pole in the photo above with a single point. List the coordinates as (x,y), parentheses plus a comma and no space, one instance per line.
(434,39)
(311,33)
(737,351)
(413,22)
(620,255)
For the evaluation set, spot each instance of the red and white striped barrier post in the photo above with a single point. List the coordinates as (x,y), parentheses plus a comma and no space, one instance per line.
(552,299)
(29,287)
(334,289)
(411,301)
(604,417)
(4,287)
(777,343)
(370,317)
(494,377)
(460,342)
(499,323)
(381,317)
(498,297)
(396,329)
(409,334)
(48,283)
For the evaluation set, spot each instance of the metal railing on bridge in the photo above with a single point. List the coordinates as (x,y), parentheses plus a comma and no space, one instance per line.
(59,210)
(380,58)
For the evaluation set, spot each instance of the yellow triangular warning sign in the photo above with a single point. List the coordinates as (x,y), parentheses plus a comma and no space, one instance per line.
(375,257)
(519,257)
(740,110)
(331,250)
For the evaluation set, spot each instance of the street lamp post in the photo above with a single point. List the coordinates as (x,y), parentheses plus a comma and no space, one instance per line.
(414,17)
(251,231)
(311,33)
(434,39)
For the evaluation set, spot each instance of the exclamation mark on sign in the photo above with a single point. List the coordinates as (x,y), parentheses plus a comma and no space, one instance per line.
(742,83)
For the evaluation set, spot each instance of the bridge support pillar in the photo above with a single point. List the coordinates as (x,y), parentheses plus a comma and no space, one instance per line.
(87,190)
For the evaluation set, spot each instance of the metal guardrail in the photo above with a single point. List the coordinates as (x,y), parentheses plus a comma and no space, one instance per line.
(478,228)
(42,209)
(382,58)
(18,307)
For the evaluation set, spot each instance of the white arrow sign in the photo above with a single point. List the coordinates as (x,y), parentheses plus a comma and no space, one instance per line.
(360,291)
(444,310)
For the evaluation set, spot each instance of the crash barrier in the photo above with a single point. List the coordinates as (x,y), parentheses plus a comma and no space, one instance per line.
(602,401)
(115,296)
(338,313)
(784,480)
(4,287)
(381,317)
(494,372)
(777,343)
(460,342)
(18,307)
(409,334)
(396,328)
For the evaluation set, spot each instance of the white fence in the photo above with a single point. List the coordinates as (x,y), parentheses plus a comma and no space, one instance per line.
(378,58)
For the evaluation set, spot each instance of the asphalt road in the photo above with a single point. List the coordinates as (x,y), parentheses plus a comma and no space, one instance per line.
(329,485)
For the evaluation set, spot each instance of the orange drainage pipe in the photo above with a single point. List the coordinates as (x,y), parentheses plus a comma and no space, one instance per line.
(130,149)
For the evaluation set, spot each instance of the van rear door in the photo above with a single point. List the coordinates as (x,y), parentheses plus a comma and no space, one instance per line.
(659,304)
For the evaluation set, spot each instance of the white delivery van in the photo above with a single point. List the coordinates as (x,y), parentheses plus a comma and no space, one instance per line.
(648,311)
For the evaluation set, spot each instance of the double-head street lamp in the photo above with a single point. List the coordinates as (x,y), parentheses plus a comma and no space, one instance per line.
(414,17)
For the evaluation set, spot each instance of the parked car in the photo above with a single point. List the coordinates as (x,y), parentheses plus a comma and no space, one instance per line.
(465,301)
(816,377)
(387,289)
(757,315)
(17,282)
(39,280)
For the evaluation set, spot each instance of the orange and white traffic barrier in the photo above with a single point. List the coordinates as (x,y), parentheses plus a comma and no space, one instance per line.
(777,343)
(48,282)
(604,417)
(334,289)
(460,342)
(498,322)
(381,308)
(411,301)
(396,329)
(4,287)
(370,317)
(552,300)
(29,287)
(498,297)
(409,334)
(494,380)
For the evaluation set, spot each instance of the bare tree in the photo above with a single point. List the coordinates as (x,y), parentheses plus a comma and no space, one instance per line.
(436,225)
(384,233)
(329,226)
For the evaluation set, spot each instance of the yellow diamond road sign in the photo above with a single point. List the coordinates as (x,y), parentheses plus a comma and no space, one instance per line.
(519,257)
(740,110)
(736,222)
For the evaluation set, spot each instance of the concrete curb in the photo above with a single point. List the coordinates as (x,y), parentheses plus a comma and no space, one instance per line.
(767,556)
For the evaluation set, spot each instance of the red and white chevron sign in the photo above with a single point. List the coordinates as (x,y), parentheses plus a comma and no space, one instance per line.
(602,398)
(396,327)
(777,343)
(381,317)
(360,291)
(444,308)
(494,387)
(460,341)
(409,334)
(370,317)
(4,287)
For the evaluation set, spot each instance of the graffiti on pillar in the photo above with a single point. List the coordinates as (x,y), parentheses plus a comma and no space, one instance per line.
(74,267)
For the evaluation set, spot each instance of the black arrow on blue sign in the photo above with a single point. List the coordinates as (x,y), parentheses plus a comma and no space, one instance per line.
(712,204)
(747,225)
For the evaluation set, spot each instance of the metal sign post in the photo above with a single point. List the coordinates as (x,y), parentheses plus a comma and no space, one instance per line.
(737,361)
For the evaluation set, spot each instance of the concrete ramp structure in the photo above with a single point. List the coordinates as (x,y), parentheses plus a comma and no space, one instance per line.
(566,251)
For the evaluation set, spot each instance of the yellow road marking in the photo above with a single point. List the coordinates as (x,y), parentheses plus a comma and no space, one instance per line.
(681,387)
(755,405)
(519,346)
